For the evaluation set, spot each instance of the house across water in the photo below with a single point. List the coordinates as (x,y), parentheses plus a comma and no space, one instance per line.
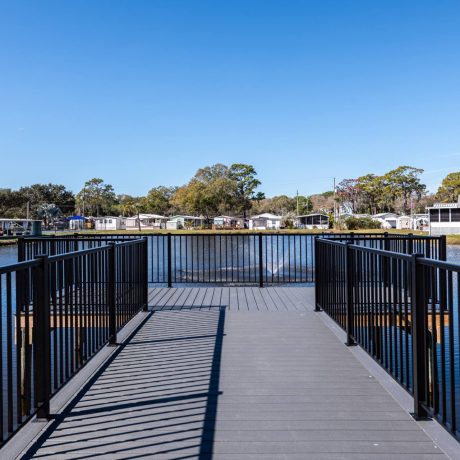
(109,223)
(229,222)
(180,222)
(20,227)
(265,221)
(444,218)
(312,221)
(145,222)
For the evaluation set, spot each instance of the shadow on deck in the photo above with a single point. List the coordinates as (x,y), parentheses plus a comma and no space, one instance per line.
(156,396)
(234,374)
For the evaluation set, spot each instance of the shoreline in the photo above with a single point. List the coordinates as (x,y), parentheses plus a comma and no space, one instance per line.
(451,239)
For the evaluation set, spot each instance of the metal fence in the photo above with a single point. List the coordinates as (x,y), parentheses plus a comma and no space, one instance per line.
(238,258)
(404,311)
(57,311)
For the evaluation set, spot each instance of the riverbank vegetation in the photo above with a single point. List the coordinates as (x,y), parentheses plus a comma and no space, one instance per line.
(235,190)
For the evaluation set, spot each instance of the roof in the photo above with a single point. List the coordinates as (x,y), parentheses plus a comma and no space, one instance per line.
(147,216)
(445,205)
(185,217)
(382,215)
(267,215)
(19,220)
(314,214)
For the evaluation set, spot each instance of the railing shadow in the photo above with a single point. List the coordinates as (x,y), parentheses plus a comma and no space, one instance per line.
(157,395)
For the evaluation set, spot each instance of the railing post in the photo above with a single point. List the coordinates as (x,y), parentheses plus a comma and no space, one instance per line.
(41,318)
(145,254)
(410,243)
(111,295)
(442,247)
(169,261)
(349,276)
(419,346)
(21,249)
(317,274)
(261,260)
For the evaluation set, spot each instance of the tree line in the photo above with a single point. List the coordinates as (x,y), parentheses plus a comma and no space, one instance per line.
(221,189)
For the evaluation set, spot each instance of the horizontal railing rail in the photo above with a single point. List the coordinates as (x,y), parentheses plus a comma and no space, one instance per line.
(233,258)
(403,309)
(56,312)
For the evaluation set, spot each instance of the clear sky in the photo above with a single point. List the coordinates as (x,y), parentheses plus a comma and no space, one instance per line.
(143,93)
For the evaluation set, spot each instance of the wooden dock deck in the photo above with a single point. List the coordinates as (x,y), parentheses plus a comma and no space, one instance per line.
(234,373)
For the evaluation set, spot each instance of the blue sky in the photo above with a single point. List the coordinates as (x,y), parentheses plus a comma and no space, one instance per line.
(143,93)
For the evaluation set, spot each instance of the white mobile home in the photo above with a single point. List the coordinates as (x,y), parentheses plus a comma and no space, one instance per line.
(265,221)
(444,218)
(405,223)
(145,221)
(110,223)
(76,223)
(311,221)
(20,227)
(229,222)
(387,219)
(180,222)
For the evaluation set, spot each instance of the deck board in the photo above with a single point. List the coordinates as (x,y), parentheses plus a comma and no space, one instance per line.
(260,377)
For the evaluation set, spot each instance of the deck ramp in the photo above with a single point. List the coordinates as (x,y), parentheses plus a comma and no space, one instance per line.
(234,373)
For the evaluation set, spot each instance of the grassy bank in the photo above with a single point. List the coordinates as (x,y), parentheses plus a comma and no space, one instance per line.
(210,232)
(7,242)
(451,239)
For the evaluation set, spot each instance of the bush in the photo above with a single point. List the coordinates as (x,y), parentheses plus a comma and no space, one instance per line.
(362,223)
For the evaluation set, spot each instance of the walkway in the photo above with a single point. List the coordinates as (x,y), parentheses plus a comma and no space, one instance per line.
(228,373)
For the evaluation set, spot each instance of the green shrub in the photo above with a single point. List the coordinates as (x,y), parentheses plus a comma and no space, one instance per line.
(362,223)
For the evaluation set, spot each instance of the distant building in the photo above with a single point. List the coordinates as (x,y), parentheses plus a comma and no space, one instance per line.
(180,222)
(387,219)
(444,218)
(229,222)
(76,222)
(145,221)
(405,223)
(109,223)
(312,221)
(20,227)
(265,221)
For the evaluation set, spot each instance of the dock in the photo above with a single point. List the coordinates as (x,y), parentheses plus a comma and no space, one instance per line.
(233,373)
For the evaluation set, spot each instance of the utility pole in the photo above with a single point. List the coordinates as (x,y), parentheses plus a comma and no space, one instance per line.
(83,210)
(297,202)
(28,209)
(335,203)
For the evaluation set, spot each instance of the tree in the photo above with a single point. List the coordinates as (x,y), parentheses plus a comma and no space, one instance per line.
(305,204)
(449,191)
(258,197)
(96,197)
(245,178)
(369,187)
(404,182)
(31,198)
(158,200)
(349,193)
(48,212)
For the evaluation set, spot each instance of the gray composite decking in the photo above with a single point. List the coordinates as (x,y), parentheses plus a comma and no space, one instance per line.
(235,373)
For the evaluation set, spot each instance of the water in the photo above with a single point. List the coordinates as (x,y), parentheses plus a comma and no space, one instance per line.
(8,255)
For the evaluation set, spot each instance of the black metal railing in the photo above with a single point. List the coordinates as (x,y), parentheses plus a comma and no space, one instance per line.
(57,311)
(238,258)
(403,309)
